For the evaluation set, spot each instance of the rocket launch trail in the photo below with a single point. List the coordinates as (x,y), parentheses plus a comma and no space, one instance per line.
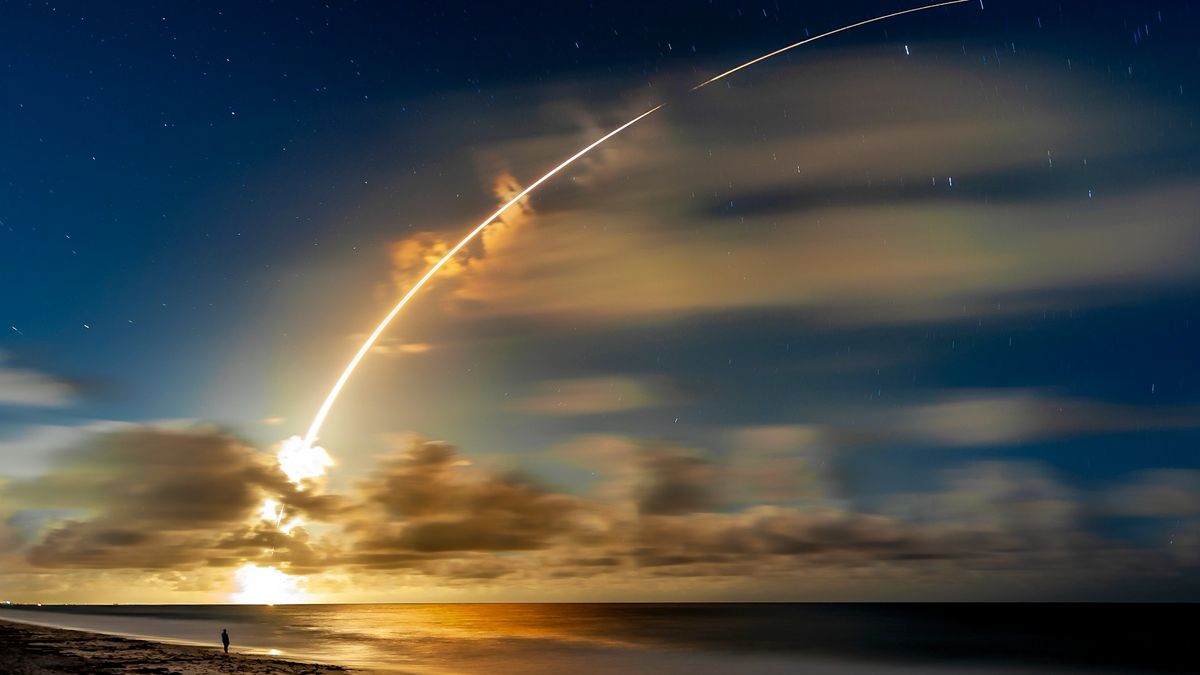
(814,38)
(315,428)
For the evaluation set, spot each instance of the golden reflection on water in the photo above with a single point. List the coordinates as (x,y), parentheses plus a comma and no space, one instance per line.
(565,622)
(457,638)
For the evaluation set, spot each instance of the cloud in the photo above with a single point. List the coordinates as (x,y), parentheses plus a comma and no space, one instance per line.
(414,255)
(1157,493)
(149,497)
(425,500)
(753,537)
(836,208)
(10,538)
(1013,500)
(985,525)
(993,417)
(677,481)
(31,451)
(594,395)
(398,348)
(184,499)
(781,463)
(612,460)
(640,477)
(30,388)
(962,418)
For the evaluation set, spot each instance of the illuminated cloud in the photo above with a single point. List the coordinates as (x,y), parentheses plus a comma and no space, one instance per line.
(147,497)
(397,348)
(829,208)
(429,502)
(425,510)
(412,256)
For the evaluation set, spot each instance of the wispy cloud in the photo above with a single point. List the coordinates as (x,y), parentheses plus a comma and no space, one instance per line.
(1169,493)
(26,387)
(898,214)
(995,417)
(594,395)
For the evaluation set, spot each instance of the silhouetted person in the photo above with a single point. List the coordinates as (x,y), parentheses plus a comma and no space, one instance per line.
(225,639)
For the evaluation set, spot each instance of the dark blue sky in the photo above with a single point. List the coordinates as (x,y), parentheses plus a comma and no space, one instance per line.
(978,279)
(161,161)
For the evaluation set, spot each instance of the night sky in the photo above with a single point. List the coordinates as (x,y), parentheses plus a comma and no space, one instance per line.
(908,313)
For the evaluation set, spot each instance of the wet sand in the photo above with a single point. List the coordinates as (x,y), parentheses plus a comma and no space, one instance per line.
(34,650)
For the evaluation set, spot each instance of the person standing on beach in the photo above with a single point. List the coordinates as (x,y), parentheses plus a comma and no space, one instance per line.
(225,639)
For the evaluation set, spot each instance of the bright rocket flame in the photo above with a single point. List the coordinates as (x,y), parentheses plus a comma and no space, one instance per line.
(315,428)
(777,52)
(271,511)
(301,460)
(266,586)
(291,524)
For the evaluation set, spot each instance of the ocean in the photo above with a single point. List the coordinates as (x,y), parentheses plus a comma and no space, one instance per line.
(689,639)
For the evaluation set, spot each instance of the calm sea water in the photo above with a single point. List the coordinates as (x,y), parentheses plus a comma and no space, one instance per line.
(691,639)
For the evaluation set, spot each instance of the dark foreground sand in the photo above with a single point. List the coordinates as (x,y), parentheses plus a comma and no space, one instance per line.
(33,650)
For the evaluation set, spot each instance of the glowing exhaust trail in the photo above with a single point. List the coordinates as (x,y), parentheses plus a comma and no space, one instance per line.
(825,35)
(314,429)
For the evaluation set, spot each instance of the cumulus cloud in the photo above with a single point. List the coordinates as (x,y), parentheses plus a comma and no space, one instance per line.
(986,514)
(179,499)
(758,535)
(425,500)
(148,497)
(647,477)
(677,481)
(26,387)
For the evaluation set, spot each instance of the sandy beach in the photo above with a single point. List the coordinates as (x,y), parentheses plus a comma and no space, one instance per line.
(35,650)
